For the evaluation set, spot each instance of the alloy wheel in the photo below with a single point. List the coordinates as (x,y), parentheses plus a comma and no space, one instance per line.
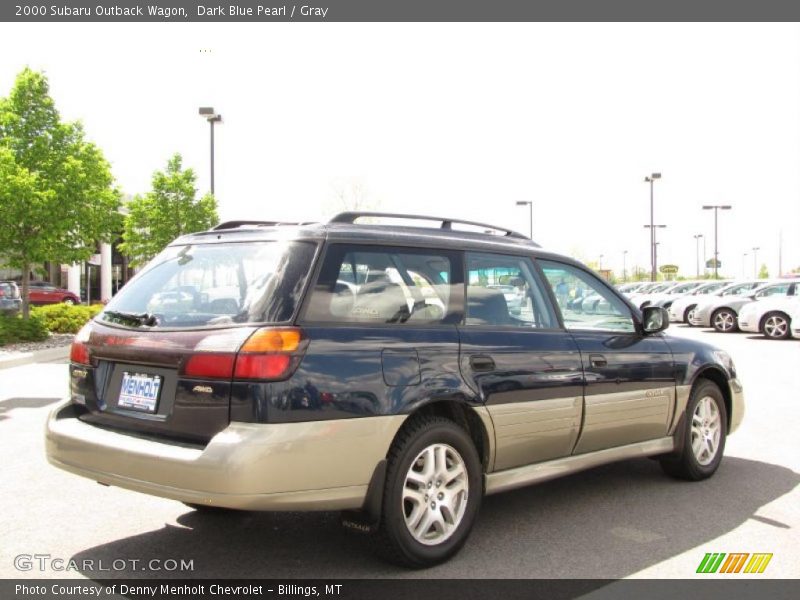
(775,326)
(435,494)
(706,430)
(724,321)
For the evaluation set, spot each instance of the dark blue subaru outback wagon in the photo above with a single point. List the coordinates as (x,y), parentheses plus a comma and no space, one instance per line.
(395,373)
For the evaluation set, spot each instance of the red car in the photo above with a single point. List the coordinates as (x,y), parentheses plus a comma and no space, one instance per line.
(43,292)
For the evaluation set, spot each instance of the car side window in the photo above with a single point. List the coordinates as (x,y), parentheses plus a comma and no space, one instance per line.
(585,303)
(504,291)
(774,290)
(386,285)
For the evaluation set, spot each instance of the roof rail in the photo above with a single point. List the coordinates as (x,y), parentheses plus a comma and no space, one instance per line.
(235,224)
(447,223)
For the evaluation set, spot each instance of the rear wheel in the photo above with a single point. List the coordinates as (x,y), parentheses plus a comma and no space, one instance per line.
(775,325)
(724,320)
(208,510)
(68,301)
(706,424)
(432,494)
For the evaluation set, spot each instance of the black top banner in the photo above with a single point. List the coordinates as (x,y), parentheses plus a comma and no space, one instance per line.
(397,10)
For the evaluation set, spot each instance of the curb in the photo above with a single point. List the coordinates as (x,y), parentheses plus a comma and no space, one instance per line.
(39,356)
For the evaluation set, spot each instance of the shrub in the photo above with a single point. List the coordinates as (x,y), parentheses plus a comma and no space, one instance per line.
(17,329)
(63,318)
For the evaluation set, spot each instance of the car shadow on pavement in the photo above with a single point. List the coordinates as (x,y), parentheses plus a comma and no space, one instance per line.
(606,523)
(762,338)
(12,403)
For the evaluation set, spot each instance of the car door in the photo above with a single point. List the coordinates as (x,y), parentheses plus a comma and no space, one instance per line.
(517,359)
(380,321)
(630,378)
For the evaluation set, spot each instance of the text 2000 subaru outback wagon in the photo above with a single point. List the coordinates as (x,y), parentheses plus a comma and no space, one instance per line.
(395,373)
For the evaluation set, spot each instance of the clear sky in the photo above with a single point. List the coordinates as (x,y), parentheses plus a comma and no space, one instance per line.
(457,120)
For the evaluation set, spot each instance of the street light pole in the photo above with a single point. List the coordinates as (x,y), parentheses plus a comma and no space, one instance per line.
(755,267)
(530,206)
(716,208)
(654,256)
(650,179)
(208,113)
(697,252)
(624,266)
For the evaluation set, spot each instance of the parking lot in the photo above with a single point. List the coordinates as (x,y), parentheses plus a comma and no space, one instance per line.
(622,520)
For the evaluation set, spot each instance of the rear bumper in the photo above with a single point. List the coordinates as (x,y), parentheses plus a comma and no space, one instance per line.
(321,465)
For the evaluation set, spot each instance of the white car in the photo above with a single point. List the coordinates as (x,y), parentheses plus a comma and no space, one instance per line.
(774,317)
(794,320)
(681,308)
(667,297)
(722,312)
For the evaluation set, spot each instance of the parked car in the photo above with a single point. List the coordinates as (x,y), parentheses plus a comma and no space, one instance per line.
(44,292)
(10,301)
(722,312)
(398,407)
(666,295)
(681,308)
(771,316)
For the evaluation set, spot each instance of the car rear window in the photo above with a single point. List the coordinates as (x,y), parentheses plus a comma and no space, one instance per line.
(215,285)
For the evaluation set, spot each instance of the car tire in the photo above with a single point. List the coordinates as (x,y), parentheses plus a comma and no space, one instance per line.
(724,320)
(432,493)
(688,313)
(209,510)
(68,301)
(776,325)
(705,426)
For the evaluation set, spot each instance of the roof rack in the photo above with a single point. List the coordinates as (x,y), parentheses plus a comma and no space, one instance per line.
(235,224)
(447,223)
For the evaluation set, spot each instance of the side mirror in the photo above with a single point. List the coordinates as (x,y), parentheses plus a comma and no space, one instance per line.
(654,319)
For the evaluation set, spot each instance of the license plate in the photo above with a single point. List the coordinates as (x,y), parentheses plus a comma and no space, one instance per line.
(139,392)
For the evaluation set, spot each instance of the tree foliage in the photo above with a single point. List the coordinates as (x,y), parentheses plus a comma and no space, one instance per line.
(57,198)
(763,272)
(166,212)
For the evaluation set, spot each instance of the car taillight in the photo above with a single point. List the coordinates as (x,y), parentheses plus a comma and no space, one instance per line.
(79,352)
(266,355)
(210,366)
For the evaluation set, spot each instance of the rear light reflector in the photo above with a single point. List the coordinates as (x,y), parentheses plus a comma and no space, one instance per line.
(210,366)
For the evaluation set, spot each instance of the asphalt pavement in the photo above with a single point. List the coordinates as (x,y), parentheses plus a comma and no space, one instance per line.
(621,520)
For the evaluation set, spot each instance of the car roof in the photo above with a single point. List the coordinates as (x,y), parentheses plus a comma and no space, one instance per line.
(445,238)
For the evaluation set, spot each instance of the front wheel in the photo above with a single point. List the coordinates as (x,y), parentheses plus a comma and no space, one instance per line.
(432,494)
(688,314)
(705,426)
(68,301)
(724,320)
(775,326)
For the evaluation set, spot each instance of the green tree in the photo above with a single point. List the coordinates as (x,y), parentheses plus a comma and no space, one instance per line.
(763,272)
(167,211)
(57,198)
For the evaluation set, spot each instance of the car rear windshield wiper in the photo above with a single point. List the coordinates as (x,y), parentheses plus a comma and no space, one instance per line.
(140,318)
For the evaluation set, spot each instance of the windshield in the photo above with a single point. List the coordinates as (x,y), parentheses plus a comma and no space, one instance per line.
(215,285)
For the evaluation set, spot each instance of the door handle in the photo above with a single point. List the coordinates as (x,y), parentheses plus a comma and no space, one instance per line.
(598,360)
(481,362)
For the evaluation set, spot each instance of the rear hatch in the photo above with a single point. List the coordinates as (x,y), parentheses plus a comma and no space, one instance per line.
(160,359)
